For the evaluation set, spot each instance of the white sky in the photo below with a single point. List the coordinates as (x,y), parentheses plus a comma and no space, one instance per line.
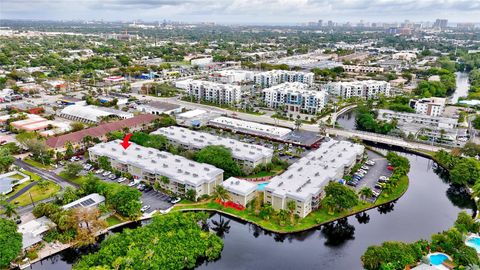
(244,11)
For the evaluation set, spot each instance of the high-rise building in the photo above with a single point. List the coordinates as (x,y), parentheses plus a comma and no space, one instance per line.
(213,92)
(274,77)
(440,23)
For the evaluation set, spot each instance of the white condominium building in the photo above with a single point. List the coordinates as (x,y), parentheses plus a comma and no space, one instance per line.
(303,182)
(232,76)
(248,127)
(245,154)
(240,191)
(433,106)
(274,77)
(365,89)
(362,69)
(404,118)
(214,92)
(172,172)
(296,97)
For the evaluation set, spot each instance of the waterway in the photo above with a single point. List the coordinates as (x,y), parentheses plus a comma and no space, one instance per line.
(463,85)
(430,205)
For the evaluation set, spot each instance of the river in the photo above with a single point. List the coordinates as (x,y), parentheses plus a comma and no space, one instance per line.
(427,207)
(463,85)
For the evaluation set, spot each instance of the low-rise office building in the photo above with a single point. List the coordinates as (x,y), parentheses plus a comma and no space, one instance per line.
(232,76)
(296,97)
(274,77)
(245,154)
(303,181)
(240,191)
(213,92)
(362,69)
(92,114)
(433,106)
(159,107)
(251,128)
(364,89)
(172,172)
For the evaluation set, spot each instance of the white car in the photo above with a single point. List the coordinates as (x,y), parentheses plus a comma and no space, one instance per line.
(366,168)
(107,173)
(131,184)
(99,171)
(370,162)
(176,200)
(383,178)
(362,171)
(121,179)
(145,208)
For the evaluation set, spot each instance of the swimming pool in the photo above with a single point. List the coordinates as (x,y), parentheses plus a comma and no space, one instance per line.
(437,259)
(474,242)
(261,186)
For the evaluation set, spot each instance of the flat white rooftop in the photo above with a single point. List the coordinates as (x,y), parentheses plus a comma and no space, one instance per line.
(199,140)
(239,186)
(252,127)
(307,177)
(158,162)
(191,114)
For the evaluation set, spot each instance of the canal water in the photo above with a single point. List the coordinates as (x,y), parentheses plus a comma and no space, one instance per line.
(463,86)
(430,205)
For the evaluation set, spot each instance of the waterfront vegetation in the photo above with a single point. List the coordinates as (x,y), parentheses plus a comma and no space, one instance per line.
(10,242)
(444,87)
(173,241)
(366,120)
(340,201)
(398,255)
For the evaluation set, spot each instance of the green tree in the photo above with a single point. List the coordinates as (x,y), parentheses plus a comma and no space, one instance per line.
(191,195)
(6,159)
(220,193)
(104,163)
(10,241)
(291,206)
(342,196)
(392,255)
(220,157)
(465,171)
(365,193)
(72,169)
(127,201)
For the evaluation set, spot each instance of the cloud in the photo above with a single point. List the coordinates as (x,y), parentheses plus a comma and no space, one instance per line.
(242,10)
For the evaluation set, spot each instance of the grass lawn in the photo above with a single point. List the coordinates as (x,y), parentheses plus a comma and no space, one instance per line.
(38,193)
(16,176)
(77,180)
(33,176)
(113,220)
(37,164)
(314,219)
(18,188)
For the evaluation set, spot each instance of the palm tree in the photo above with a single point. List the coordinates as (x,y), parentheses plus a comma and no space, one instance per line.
(298,124)
(291,206)
(322,127)
(329,203)
(220,193)
(282,216)
(9,210)
(365,193)
(221,227)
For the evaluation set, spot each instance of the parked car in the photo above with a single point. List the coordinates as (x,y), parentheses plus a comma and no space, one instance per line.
(107,173)
(390,168)
(112,176)
(383,178)
(353,184)
(99,171)
(175,200)
(145,208)
(362,171)
(141,187)
(366,168)
(147,189)
(131,184)
(121,179)
(370,162)
(378,186)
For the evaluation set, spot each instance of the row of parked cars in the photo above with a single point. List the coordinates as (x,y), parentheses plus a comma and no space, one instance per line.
(358,175)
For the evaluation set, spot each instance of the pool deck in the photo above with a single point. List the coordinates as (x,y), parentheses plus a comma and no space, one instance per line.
(440,266)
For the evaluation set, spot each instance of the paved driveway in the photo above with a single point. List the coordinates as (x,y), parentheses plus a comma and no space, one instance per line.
(377,170)
(157,200)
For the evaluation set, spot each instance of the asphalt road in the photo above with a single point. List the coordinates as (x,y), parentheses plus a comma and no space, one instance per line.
(44,174)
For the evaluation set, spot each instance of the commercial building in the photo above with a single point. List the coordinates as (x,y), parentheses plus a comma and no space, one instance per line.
(232,76)
(159,107)
(213,92)
(362,69)
(438,128)
(251,128)
(296,97)
(433,106)
(195,118)
(303,181)
(240,191)
(364,89)
(91,113)
(274,77)
(100,131)
(245,154)
(172,172)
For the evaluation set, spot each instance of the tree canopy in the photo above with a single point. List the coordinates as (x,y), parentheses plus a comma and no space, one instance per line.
(340,197)
(220,157)
(10,241)
(174,241)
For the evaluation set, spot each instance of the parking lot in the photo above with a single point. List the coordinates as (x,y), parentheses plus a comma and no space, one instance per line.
(374,173)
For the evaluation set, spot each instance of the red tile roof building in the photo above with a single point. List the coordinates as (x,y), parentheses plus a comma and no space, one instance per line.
(100,131)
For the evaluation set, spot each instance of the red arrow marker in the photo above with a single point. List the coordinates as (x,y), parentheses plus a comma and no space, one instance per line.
(125,142)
